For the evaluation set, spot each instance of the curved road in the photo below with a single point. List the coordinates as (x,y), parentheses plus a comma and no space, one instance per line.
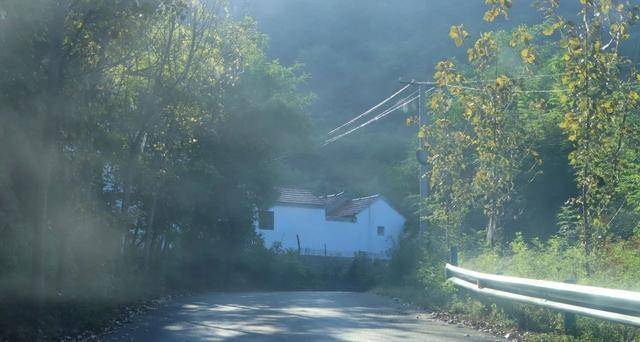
(289,316)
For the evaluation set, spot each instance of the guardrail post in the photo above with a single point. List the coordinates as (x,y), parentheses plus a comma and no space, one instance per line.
(570,327)
(453,260)
(453,257)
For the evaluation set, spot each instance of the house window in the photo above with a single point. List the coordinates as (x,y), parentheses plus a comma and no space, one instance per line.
(380,230)
(265,220)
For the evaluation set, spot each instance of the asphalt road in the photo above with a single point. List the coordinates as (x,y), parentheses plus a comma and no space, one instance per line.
(289,316)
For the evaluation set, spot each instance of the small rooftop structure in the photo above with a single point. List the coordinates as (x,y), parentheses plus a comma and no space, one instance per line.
(352,207)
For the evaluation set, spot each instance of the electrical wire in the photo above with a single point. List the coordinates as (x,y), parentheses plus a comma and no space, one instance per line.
(515,91)
(518,77)
(407,100)
(370,109)
(376,118)
(522,77)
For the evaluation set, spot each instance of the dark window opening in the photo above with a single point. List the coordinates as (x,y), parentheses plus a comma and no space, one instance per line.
(380,231)
(265,220)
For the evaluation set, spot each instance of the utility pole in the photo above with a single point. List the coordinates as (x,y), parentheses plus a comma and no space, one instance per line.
(420,166)
(421,155)
(422,181)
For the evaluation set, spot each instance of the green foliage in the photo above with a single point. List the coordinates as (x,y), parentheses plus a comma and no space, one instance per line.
(364,273)
(479,141)
(416,272)
(562,98)
(600,102)
(492,131)
(138,139)
(559,259)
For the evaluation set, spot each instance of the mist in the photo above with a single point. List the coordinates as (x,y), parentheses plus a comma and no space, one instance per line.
(143,146)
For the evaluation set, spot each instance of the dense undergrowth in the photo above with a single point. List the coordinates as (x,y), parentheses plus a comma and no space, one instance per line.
(615,265)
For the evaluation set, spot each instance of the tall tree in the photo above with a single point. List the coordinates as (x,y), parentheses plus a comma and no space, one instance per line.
(599,100)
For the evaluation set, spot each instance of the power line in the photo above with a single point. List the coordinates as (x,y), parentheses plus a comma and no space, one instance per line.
(386,112)
(412,97)
(376,118)
(407,100)
(517,77)
(400,103)
(370,109)
(522,77)
(515,91)
(403,102)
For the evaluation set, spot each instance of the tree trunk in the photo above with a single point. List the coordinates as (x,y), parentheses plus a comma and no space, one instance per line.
(40,226)
(491,231)
(492,226)
(126,195)
(150,234)
(586,227)
(63,242)
(54,86)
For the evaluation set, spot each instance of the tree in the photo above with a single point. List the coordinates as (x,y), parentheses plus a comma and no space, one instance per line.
(137,138)
(487,103)
(600,97)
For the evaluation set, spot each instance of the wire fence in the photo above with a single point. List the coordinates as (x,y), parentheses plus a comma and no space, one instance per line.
(339,254)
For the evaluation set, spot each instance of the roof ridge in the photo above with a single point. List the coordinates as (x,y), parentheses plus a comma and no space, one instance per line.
(299,196)
(366,197)
(332,195)
(292,188)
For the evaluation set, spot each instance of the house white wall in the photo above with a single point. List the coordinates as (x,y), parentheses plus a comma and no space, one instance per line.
(341,238)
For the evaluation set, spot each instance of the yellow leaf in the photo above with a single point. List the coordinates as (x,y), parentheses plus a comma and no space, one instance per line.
(502,80)
(471,54)
(548,30)
(615,28)
(422,133)
(468,111)
(434,103)
(491,14)
(458,34)
(527,55)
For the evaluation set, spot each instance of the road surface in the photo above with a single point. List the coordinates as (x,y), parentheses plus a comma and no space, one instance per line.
(289,316)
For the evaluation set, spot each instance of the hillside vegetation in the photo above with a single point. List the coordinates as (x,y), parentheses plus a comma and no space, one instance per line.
(526,107)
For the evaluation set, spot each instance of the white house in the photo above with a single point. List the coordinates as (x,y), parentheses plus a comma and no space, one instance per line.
(331,225)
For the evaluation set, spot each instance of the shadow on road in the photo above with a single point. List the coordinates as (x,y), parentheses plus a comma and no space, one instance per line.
(289,316)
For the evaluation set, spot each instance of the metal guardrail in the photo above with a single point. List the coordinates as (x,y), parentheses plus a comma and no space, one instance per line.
(613,305)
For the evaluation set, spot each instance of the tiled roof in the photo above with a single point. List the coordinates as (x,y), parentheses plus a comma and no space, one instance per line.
(300,196)
(353,207)
(336,205)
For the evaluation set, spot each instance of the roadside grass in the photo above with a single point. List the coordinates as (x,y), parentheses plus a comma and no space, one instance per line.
(615,265)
